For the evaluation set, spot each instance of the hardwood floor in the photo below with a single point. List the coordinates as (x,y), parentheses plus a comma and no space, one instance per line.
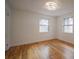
(51,49)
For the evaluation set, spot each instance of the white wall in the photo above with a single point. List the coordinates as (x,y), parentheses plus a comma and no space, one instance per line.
(7,25)
(25,27)
(22,27)
(64,36)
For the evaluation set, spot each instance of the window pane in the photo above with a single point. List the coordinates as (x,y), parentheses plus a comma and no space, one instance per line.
(65,29)
(44,22)
(68,29)
(70,21)
(66,22)
(43,28)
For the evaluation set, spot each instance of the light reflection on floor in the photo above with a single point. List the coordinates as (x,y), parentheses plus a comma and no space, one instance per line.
(38,53)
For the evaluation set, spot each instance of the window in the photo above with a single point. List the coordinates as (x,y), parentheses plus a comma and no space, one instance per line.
(68,25)
(43,25)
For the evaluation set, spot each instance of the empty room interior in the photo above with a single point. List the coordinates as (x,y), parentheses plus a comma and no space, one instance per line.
(39,29)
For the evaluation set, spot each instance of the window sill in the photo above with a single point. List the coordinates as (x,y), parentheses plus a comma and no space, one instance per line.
(43,32)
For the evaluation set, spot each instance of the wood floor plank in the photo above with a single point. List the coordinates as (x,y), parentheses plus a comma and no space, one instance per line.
(51,49)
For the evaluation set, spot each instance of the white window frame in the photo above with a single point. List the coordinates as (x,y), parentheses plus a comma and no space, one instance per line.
(68,25)
(43,25)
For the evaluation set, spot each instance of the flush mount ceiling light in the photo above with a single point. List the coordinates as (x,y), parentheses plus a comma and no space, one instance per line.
(51,5)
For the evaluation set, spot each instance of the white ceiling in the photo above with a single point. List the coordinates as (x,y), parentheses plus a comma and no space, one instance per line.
(65,6)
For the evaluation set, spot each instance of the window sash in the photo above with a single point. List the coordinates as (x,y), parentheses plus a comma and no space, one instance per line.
(68,21)
(43,28)
(68,29)
(43,22)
